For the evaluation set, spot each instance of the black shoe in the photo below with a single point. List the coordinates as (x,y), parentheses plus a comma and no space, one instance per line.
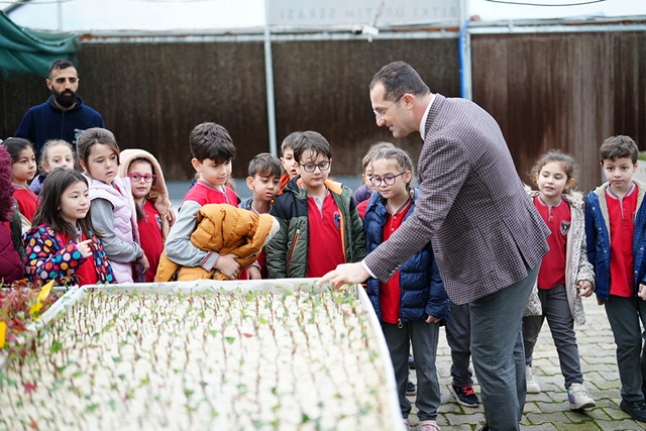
(636,409)
(465,395)
(411,363)
(410,388)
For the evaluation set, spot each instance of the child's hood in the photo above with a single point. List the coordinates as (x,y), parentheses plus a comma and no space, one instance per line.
(159,192)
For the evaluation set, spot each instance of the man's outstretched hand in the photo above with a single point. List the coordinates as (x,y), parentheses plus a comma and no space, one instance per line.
(344,274)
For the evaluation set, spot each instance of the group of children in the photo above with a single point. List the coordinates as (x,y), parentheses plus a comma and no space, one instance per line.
(114,223)
(596,245)
(83,228)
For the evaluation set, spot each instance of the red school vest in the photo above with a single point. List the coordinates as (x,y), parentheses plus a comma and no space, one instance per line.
(621,213)
(325,247)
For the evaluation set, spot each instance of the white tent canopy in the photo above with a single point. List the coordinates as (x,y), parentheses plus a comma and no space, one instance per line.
(164,15)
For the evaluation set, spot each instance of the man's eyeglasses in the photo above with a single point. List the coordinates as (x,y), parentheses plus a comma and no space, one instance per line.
(388,180)
(148,178)
(380,112)
(311,167)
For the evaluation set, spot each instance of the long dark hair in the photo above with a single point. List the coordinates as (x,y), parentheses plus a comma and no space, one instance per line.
(15,146)
(49,210)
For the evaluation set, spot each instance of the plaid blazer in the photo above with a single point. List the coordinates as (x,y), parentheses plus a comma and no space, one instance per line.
(485,229)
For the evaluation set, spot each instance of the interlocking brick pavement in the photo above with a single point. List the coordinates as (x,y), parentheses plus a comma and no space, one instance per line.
(549,411)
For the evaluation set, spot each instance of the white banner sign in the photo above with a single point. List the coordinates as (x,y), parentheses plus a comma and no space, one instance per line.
(547,2)
(316,13)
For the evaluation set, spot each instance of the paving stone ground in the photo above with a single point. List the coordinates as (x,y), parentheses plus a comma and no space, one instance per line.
(549,411)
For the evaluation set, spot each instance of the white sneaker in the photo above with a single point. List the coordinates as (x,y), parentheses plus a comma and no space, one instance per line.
(578,397)
(406,424)
(429,425)
(532,385)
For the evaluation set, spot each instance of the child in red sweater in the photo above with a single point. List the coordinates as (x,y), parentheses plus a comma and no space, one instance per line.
(154,209)
(23,170)
(213,151)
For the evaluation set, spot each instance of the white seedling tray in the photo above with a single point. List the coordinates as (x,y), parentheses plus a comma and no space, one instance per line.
(67,301)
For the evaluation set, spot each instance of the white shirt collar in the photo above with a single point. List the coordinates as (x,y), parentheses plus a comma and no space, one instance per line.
(422,124)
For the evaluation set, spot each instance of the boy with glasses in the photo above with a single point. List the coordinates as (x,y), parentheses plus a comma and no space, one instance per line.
(319,225)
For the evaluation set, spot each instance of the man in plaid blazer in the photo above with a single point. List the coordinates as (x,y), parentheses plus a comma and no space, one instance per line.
(487,236)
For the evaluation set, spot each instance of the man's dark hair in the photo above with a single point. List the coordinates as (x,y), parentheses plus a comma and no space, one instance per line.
(60,64)
(265,164)
(617,147)
(211,141)
(399,78)
(312,141)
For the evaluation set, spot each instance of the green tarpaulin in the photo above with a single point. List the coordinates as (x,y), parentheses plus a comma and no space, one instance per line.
(27,51)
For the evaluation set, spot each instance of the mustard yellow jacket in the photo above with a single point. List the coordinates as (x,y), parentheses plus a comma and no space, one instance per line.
(223,229)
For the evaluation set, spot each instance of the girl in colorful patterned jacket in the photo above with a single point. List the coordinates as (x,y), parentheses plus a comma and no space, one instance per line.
(23,170)
(413,303)
(63,245)
(565,275)
(113,207)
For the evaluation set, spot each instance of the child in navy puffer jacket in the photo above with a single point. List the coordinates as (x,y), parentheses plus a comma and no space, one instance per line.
(413,303)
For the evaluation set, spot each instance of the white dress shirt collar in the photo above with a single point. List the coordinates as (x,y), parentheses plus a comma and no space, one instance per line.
(422,124)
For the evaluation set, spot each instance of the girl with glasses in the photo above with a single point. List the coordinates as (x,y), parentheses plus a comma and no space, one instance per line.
(412,304)
(154,211)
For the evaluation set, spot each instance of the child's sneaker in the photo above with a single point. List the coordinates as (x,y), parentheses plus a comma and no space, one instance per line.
(532,385)
(578,397)
(465,395)
(429,425)
(406,424)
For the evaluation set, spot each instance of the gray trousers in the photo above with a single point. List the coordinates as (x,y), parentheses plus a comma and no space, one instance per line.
(625,315)
(458,337)
(557,311)
(424,338)
(498,354)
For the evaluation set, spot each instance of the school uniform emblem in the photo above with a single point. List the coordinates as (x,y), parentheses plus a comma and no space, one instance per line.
(565,227)
(337,219)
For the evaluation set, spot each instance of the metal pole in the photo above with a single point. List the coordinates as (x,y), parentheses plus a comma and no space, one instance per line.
(465,53)
(269,78)
(59,13)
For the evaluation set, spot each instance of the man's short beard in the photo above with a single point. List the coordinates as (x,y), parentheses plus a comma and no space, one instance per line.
(64,100)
